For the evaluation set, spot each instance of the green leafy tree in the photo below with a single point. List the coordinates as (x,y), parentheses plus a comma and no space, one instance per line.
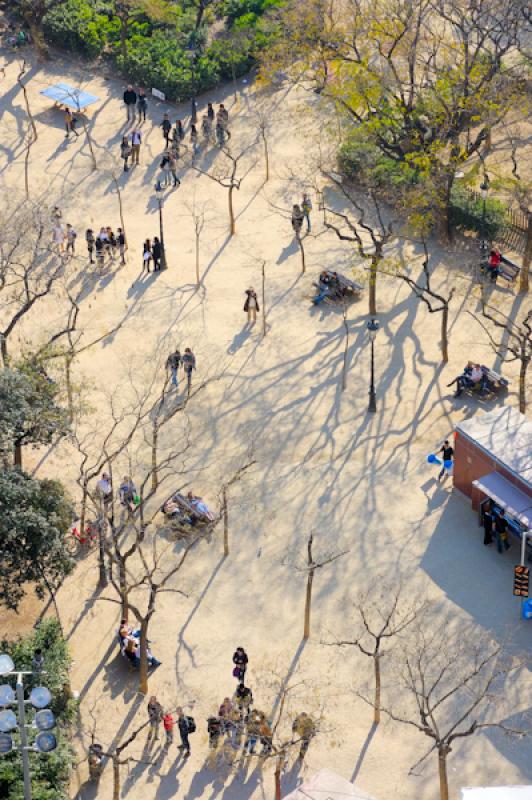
(34,518)
(29,411)
(33,13)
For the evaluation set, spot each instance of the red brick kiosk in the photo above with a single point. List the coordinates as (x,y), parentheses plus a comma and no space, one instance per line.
(493,458)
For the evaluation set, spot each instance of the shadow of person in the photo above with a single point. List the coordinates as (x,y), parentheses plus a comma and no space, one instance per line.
(287,251)
(239,339)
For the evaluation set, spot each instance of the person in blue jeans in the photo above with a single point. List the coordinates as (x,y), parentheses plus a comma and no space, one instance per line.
(448,454)
(184,730)
(501,532)
(172,363)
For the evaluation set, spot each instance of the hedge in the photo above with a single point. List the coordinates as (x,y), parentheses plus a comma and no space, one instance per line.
(50,773)
(467,212)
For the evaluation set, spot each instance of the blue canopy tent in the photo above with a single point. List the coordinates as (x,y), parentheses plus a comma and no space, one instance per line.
(66,95)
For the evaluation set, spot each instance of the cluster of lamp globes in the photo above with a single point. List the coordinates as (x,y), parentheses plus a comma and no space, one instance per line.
(44,720)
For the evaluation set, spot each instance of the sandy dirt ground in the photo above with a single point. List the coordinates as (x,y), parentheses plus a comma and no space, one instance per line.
(360,481)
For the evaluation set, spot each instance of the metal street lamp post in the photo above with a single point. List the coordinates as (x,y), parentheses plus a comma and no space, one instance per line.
(44,721)
(159,196)
(373,327)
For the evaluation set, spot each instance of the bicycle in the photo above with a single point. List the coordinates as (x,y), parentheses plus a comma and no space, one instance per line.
(76,540)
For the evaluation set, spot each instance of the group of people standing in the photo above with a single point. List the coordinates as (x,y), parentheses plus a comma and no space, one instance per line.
(300,213)
(106,243)
(152,251)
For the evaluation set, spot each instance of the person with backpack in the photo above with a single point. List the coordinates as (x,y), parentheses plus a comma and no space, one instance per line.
(306,208)
(297,220)
(179,132)
(172,363)
(142,105)
(206,128)
(166,125)
(240,660)
(155,715)
(121,241)
(70,123)
(98,246)
(125,151)
(189,363)
(214,730)
(71,237)
(89,238)
(186,726)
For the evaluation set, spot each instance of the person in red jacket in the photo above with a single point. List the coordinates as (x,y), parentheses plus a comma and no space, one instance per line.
(494,261)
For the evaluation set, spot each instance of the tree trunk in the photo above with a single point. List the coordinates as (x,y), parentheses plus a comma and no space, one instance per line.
(121,210)
(123,38)
(264,298)
(18,455)
(89,142)
(277,776)
(444,337)
(34,24)
(154,476)
(522,383)
(527,258)
(232,224)
(116,778)
(226,523)
(308,601)
(377,703)
(197,260)
(266,158)
(143,678)
(442,769)
(68,381)
(373,285)
(83,507)
(51,592)
(302,251)
(3,349)
(124,594)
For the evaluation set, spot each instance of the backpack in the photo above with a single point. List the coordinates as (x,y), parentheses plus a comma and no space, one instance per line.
(191,725)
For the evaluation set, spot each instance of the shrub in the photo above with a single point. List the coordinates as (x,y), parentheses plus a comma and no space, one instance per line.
(50,773)
(361,161)
(467,212)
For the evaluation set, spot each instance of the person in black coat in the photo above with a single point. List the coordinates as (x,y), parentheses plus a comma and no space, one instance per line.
(156,252)
(487,521)
(251,305)
(130,101)
(240,660)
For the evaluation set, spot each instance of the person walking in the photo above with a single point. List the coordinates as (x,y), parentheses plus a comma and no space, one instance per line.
(297,220)
(130,101)
(251,305)
(172,158)
(223,118)
(194,140)
(71,237)
(121,242)
(224,714)
(156,252)
(168,724)
(172,363)
(487,521)
(210,112)
(89,238)
(136,141)
(206,128)
(98,246)
(70,123)
(146,255)
(189,364)
(142,105)
(58,237)
(306,208)
(165,169)
(125,151)
(214,729)
(220,134)
(155,715)
(448,454)
(253,728)
(304,728)
(186,726)
(179,131)
(244,699)
(166,125)
(501,531)
(240,660)
(111,238)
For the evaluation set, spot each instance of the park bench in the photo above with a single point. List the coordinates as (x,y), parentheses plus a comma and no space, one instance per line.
(492,382)
(332,286)
(184,514)
(508,270)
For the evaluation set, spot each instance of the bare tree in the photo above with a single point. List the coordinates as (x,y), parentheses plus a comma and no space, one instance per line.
(226,175)
(263,116)
(309,568)
(447,683)
(198,215)
(357,227)
(381,614)
(224,504)
(515,343)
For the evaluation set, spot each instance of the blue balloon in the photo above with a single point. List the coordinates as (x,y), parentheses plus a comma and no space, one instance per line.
(447,464)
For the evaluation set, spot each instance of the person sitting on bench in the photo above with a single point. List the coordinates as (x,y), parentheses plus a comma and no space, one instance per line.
(132,652)
(494,262)
(472,374)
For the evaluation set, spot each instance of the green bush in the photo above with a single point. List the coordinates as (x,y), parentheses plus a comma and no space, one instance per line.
(361,161)
(467,212)
(50,773)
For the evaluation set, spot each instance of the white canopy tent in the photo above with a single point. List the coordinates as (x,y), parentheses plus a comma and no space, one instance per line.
(497,793)
(327,785)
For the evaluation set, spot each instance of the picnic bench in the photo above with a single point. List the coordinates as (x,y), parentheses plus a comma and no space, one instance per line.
(491,383)
(186,512)
(332,286)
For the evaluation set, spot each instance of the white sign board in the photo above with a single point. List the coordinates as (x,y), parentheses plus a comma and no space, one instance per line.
(497,793)
(158,94)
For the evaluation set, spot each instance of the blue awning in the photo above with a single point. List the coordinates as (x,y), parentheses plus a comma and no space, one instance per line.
(514,502)
(69,96)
